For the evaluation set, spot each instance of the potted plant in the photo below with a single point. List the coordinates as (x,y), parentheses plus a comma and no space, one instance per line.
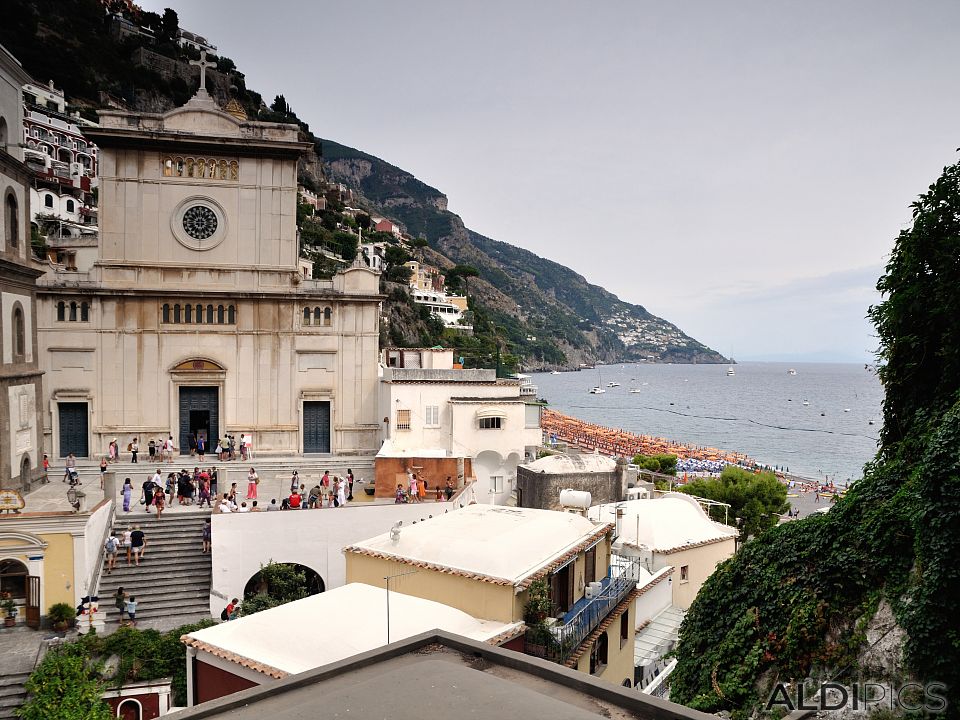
(10,611)
(61,614)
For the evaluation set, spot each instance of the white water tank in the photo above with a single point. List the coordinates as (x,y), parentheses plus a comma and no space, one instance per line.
(579,499)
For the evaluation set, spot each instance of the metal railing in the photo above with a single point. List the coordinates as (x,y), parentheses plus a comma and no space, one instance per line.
(557,642)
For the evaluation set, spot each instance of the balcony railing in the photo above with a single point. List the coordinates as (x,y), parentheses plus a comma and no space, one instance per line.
(557,642)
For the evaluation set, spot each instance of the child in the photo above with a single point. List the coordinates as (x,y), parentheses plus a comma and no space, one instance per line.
(131,609)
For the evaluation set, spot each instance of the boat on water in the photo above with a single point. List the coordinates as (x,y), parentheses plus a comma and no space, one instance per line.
(555,372)
(596,390)
(613,384)
(730,372)
(806,402)
(791,371)
(634,390)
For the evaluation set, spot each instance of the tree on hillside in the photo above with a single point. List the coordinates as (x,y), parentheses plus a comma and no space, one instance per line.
(796,602)
(461,273)
(169,26)
(64,686)
(279,105)
(757,500)
(364,221)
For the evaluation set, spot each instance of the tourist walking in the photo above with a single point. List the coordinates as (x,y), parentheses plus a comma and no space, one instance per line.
(192,444)
(205,536)
(158,501)
(152,449)
(111,547)
(168,449)
(138,544)
(349,484)
(243,448)
(232,495)
(69,468)
(171,487)
(125,541)
(204,490)
(341,491)
(252,481)
(219,449)
(103,469)
(127,494)
(294,481)
(414,488)
(214,478)
(147,497)
(113,450)
(134,449)
(120,601)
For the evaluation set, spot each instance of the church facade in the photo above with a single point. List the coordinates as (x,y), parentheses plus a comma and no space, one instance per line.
(198,317)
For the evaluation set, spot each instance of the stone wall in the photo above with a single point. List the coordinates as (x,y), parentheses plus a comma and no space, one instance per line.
(542,490)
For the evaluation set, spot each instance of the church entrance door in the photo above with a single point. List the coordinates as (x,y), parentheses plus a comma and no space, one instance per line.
(73,428)
(316,427)
(199,416)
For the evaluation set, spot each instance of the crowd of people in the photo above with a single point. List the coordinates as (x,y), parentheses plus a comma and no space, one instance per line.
(418,490)
(224,449)
(626,444)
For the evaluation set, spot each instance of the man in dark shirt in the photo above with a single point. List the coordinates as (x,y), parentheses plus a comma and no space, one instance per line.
(137,543)
(148,487)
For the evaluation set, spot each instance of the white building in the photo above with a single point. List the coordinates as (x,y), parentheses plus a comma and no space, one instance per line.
(198,318)
(187,39)
(319,630)
(444,307)
(671,530)
(434,411)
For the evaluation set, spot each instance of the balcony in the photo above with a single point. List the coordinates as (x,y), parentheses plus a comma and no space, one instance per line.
(559,641)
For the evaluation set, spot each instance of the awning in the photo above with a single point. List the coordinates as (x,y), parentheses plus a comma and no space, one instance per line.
(491,413)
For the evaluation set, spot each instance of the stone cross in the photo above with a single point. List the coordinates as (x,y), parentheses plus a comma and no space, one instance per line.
(203,65)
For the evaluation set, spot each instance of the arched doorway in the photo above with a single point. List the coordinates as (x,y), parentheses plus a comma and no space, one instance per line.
(13,579)
(268,582)
(130,710)
(25,469)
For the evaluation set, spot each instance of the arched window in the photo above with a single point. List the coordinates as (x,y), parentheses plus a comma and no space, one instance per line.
(70,206)
(199,313)
(188,314)
(19,334)
(306,316)
(13,578)
(84,311)
(61,311)
(317,315)
(327,316)
(166,312)
(13,221)
(48,200)
(210,314)
(3,133)
(73,312)
(176,313)
(220,314)
(231,315)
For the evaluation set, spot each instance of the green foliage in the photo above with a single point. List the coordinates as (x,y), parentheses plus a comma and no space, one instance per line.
(757,500)
(809,587)
(61,612)
(64,686)
(538,605)
(663,463)
(276,584)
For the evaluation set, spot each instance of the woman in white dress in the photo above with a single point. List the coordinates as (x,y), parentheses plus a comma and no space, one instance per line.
(341,491)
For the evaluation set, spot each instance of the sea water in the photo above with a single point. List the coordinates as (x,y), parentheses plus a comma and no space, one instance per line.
(759,411)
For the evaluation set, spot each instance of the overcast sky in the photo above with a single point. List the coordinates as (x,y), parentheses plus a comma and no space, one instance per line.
(739,168)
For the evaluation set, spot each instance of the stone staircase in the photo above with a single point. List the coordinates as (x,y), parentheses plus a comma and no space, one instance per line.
(12,693)
(172,583)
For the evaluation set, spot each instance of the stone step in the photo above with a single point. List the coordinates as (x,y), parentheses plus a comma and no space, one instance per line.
(193,610)
(167,601)
(156,571)
(13,679)
(15,690)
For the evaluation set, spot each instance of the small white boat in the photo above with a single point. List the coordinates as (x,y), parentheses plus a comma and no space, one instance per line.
(730,372)
(597,390)
(846,409)
(806,402)
(634,390)
(613,384)
(555,372)
(791,371)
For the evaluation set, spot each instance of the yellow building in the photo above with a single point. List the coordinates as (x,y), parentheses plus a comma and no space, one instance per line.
(671,531)
(50,557)
(488,560)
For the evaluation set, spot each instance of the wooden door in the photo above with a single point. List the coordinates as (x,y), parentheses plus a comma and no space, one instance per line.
(33,601)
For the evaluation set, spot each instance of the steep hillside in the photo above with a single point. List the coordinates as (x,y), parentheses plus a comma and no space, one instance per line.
(543,299)
(525,307)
